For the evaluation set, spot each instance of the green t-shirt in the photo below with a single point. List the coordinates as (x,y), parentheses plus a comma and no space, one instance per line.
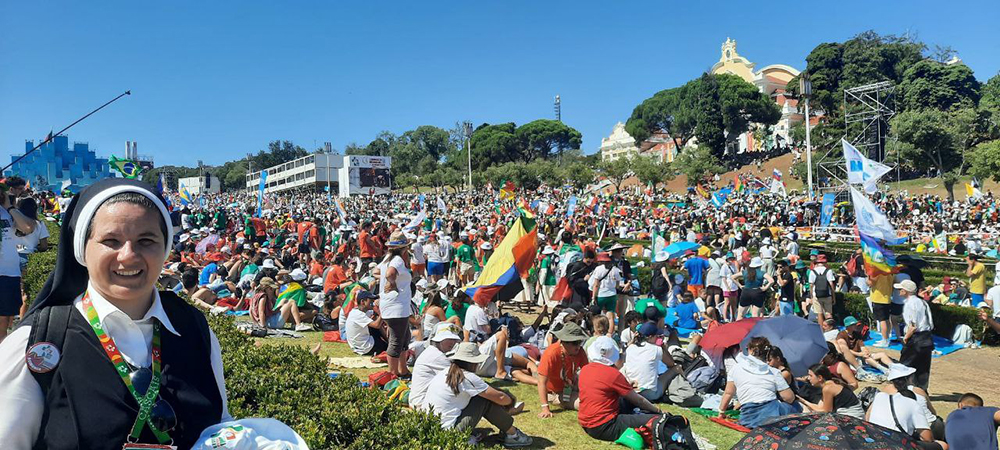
(642,304)
(550,275)
(450,312)
(249,269)
(464,253)
(248,229)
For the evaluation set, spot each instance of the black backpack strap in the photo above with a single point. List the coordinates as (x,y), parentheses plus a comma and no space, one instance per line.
(49,325)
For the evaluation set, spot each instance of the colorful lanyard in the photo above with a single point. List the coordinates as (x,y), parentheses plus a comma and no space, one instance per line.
(145,402)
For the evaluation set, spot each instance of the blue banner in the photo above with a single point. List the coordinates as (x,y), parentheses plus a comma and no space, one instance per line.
(826,213)
(260,191)
(571,206)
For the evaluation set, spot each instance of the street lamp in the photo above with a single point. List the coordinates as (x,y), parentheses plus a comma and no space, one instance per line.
(468,140)
(805,91)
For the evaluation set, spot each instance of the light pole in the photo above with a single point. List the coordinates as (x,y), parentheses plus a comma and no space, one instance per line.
(805,90)
(468,143)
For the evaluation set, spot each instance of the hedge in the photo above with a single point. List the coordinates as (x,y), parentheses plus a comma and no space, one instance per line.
(288,383)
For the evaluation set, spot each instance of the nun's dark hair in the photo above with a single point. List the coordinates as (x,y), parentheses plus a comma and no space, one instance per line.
(132,198)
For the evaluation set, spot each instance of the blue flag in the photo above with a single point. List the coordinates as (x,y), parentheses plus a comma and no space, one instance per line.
(260,191)
(826,213)
(571,206)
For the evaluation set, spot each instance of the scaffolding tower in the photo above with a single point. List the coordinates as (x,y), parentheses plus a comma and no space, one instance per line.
(867,110)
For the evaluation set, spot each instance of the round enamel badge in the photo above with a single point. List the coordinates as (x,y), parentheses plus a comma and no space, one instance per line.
(42,357)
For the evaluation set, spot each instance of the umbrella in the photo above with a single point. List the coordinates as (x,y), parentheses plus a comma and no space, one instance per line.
(800,340)
(824,431)
(202,246)
(727,335)
(678,248)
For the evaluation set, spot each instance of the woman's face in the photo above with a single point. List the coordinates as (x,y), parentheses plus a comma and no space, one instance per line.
(814,379)
(125,251)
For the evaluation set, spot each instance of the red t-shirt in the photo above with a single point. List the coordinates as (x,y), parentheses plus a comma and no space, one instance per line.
(334,278)
(558,366)
(600,388)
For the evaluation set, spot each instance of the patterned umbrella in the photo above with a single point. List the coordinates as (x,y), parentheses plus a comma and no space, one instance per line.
(824,431)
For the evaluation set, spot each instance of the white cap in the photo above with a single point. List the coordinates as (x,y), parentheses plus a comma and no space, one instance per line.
(548,251)
(446,330)
(318,281)
(661,256)
(897,370)
(486,246)
(268,264)
(906,285)
(603,351)
(442,283)
(298,275)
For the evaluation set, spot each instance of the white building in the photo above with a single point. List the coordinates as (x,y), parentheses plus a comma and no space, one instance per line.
(365,175)
(618,145)
(205,184)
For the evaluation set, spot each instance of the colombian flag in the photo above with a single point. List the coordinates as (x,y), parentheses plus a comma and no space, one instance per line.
(501,278)
(878,260)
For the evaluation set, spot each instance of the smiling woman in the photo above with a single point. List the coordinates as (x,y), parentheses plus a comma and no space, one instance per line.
(103,359)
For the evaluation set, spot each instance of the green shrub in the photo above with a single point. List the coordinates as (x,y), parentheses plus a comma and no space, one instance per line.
(946,317)
(288,383)
(41,264)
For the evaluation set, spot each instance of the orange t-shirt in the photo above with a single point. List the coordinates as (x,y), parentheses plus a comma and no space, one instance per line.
(557,366)
(334,278)
(366,248)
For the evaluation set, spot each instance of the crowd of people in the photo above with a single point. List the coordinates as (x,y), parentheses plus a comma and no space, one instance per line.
(392,274)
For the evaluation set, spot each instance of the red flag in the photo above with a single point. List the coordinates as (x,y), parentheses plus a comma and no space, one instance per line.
(562,292)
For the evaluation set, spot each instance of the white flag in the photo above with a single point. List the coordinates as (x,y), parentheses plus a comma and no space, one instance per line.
(861,170)
(442,206)
(870,220)
(417,220)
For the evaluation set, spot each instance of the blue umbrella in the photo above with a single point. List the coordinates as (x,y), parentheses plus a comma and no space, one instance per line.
(800,340)
(678,248)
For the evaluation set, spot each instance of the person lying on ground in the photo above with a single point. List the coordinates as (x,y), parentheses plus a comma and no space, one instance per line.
(837,396)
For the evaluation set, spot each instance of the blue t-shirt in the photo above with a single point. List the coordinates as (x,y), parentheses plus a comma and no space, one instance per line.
(971,429)
(685,313)
(206,274)
(696,268)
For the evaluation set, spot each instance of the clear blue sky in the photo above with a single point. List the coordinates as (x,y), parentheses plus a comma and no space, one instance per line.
(214,80)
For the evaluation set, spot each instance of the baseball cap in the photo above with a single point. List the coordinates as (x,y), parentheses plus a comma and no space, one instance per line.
(907,285)
(446,330)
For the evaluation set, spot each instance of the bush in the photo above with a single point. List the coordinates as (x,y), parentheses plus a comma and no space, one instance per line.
(41,264)
(288,383)
(946,317)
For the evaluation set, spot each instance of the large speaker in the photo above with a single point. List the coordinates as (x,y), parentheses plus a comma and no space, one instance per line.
(208,181)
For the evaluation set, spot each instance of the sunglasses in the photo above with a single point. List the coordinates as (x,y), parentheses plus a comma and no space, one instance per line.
(162,415)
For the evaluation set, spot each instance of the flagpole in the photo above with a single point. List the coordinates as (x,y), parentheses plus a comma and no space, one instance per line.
(51,136)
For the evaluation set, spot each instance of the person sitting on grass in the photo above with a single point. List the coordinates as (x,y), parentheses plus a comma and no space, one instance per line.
(365,332)
(897,408)
(759,388)
(837,395)
(632,320)
(839,366)
(689,316)
(293,304)
(972,426)
(605,394)
(557,371)
(262,304)
(648,362)
(850,344)
(462,399)
(443,337)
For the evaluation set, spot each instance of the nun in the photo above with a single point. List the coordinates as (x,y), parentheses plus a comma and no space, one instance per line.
(103,360)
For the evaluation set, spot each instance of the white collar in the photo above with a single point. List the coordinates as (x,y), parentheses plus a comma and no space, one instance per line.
(105,308)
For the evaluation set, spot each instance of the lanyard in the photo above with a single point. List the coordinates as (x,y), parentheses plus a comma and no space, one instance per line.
(145,402)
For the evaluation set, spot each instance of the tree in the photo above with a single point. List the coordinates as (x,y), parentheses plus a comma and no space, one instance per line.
(698,164)
(579,174)
(278,152)
(984,161)
(930,84)
(650,171)
(670,111)
(540,138)
(742,104)
(932,142)
(494,144)
(616,171)
(990,99)
(711,127)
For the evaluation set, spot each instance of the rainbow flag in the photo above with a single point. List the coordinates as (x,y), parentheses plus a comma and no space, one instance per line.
(878,259)
(501,278)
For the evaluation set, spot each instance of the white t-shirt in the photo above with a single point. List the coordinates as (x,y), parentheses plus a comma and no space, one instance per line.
(792,248)
(395,307)
(440,399)
(358,336)
(713,278)
(430,362)
(609,281)
(827,273)
(417,254)
(642,364)
(10,263)
(725,275)
(431,251)
(476,319)
(756,382)
(917,312)
(907,413)
(993,295)
(29,243)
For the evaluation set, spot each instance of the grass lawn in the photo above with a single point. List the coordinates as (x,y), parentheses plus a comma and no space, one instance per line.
(561,431)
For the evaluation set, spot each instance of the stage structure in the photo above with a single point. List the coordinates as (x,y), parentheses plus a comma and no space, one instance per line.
(868,109)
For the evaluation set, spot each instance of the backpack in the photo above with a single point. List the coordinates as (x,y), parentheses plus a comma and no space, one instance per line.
(668,432)
(867,396)
(659,285)
(822,283)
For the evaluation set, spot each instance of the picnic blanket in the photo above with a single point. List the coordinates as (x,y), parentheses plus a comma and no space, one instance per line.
(942,346)
(333,336)
(731,420)
(730,424)
(237,313)
(355,362)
